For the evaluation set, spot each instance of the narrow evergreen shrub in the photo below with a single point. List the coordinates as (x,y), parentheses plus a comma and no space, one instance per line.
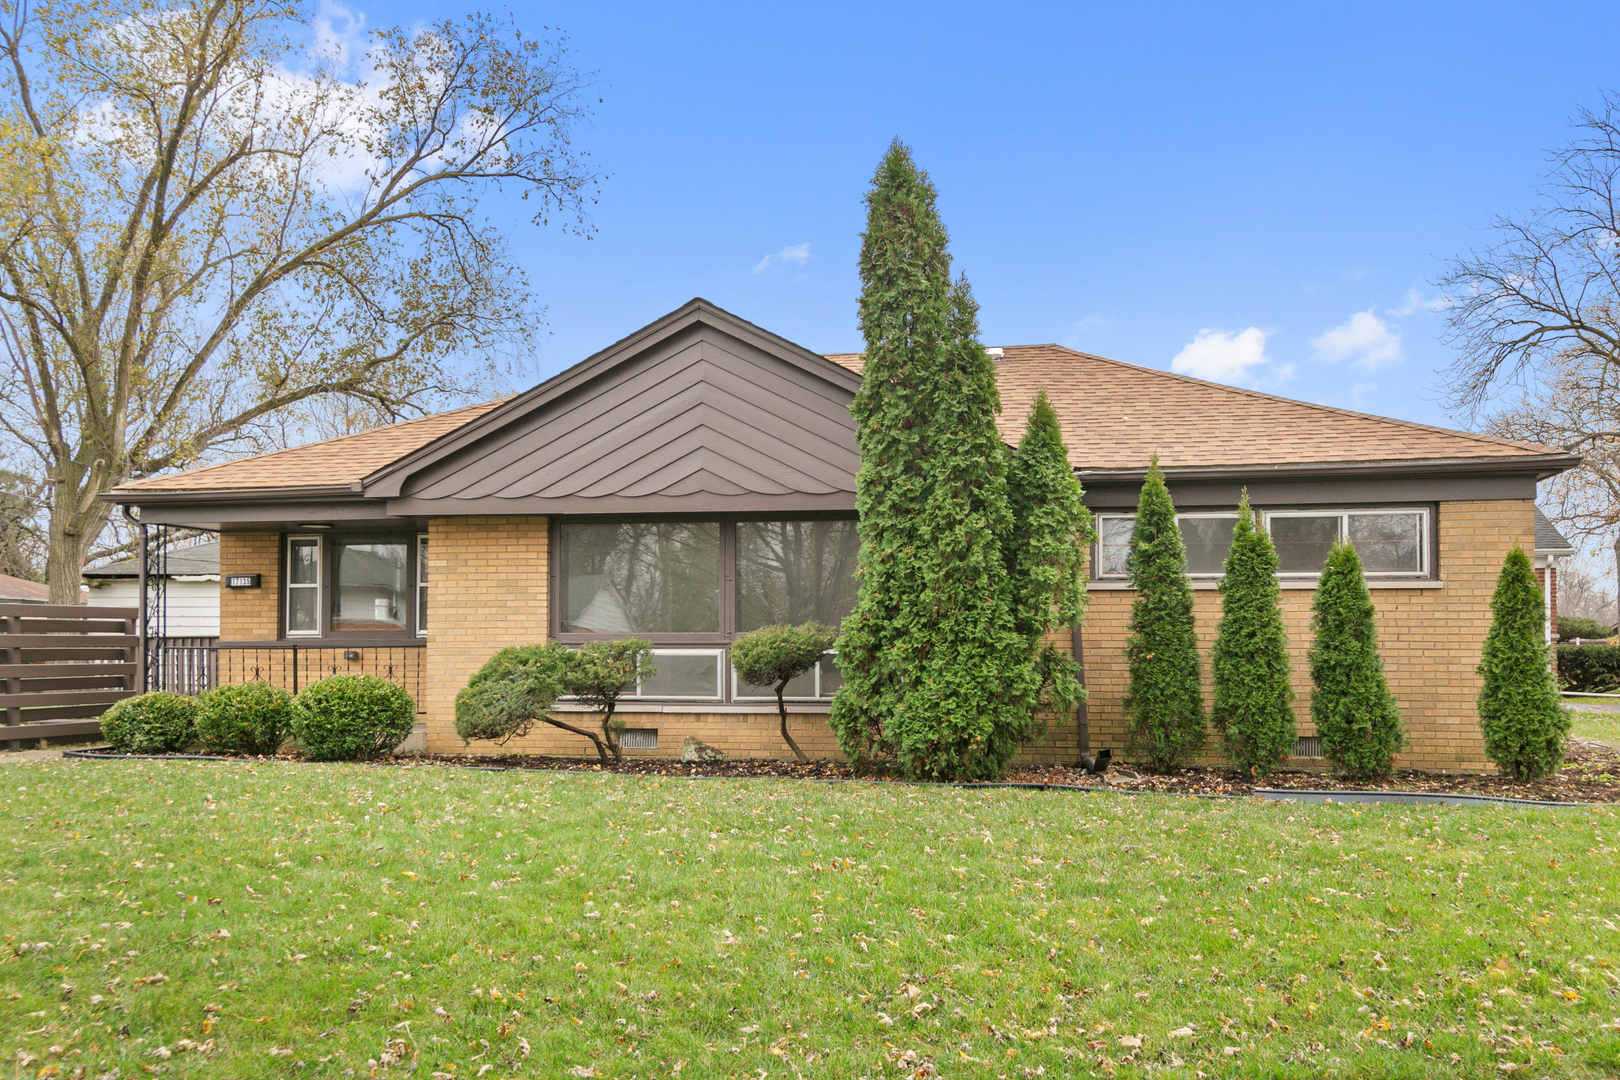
(1045,551)
(1592,668)
(1520,715)
(936,676)
(1253,698)
(1355,714)
(154,723)
(244,718)
(352,717)
(1164,705)
(969,702)
(904,317)
(776,655)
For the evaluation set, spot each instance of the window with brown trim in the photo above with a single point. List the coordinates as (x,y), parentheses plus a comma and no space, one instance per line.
(354,587)
(691,585)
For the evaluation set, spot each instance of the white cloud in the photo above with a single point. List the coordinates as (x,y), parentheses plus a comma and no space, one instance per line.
(1416,302)
(796,253)
(1222,355)
(1365,339)
(1361,393)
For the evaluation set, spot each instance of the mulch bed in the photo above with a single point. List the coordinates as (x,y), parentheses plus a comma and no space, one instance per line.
(1591,773)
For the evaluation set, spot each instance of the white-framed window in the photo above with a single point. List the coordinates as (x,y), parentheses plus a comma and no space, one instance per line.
(1207,536)
(303,586)
(820,683)
(1391,541)
(421,584)
(684,674)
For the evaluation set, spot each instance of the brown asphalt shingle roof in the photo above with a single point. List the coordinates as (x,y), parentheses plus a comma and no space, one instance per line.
(344,460)
(1116,415)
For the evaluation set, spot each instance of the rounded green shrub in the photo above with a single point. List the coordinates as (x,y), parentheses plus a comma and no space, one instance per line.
(774,656)
(351,717)
(244,718)
(1575,626)
(155,723)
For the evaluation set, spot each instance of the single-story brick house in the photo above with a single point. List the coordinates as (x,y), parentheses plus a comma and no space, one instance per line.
(697,479)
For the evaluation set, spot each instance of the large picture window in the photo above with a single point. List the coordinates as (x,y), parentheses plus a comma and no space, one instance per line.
(793,572)
(368,587)
(640,577)
(690,587)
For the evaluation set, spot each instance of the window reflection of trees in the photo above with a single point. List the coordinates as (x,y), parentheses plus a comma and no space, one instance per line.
(790,572)
(641,577)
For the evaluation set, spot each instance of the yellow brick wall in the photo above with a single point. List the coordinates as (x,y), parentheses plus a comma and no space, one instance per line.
(740,735)
(1430,640)
(487,589)
(250,614)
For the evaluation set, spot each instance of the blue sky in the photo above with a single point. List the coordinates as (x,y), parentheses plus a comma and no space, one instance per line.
(1255,193)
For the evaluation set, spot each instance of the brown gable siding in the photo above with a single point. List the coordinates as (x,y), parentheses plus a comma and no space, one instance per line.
(699,413)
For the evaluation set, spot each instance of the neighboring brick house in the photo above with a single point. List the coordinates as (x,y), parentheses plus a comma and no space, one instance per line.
(697,479)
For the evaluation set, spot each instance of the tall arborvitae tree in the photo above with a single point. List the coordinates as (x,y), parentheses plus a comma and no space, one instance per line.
(969,702)
(1254,701)
(1046,550)
(1355,714)
(904,318)
(1165,703)
(1523,721)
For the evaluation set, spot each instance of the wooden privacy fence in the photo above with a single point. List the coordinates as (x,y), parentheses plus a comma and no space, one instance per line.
(63,666)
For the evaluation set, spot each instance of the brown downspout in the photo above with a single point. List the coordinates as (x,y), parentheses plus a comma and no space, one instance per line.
(1081,714)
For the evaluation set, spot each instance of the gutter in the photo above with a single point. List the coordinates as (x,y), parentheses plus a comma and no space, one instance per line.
(139,497)
(1309,470)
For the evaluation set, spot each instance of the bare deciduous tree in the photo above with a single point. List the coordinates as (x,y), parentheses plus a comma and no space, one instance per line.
(1549,287)
(204,224)
(1574,403)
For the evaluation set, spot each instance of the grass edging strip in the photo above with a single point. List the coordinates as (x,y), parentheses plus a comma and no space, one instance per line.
(1410,798)
(107,753)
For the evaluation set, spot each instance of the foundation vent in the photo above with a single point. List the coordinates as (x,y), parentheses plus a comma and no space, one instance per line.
(1304,746)
(639,738)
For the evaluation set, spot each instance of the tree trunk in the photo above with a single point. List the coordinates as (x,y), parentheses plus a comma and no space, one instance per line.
(781,707)
(601,750)
(73,532)
(611,733)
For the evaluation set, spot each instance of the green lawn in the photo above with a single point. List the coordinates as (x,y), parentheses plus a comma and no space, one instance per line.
(1603,727)
(314,920)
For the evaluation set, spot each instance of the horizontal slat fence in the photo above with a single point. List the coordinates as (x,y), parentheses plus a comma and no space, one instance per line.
(62,666)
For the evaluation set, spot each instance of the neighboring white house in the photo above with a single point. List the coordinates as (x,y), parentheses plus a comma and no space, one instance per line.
(191,589)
